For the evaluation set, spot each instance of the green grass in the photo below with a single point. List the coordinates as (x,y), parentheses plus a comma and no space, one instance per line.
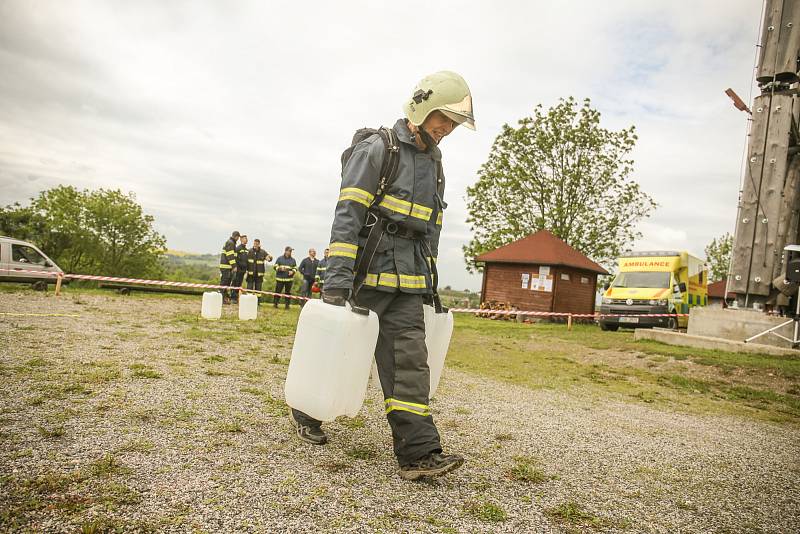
(548,356)
(487,511)
(140,370)
(361,453)
(352,423)
(53,432)
(574,514)
(108,466)
(526,470)
(230,427)
(69,494)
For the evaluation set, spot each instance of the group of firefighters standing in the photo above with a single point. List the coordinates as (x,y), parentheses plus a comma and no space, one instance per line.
(237,260)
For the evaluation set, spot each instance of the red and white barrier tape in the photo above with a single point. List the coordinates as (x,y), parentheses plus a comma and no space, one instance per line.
(148,282)
(482,311)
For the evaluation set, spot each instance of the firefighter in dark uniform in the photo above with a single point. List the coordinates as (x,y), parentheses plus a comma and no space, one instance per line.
(399,275)
(227,265)
(257,259)
(241,267)
(321,268)
(285,269)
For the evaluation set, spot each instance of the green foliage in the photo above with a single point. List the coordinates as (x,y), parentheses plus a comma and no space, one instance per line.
(101,231)
(453,298)
(201,268)
(559,171)
(718,256)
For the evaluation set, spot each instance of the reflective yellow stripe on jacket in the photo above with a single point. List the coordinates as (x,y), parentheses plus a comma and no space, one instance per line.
(419,409)
(405,207)
(356,195)
(393,280)
(343,249)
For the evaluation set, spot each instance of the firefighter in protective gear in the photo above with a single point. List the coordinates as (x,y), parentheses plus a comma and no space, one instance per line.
(241,267)
(257,259)
(399,273)
(227,264)
(321,268)
(285,269)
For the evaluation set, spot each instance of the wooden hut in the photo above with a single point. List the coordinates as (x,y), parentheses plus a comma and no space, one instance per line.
(540,273)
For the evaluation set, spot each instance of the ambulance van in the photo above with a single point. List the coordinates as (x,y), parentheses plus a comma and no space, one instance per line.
(654,282)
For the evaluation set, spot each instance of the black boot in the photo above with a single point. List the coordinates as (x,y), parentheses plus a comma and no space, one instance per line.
(310,434)
(431,465)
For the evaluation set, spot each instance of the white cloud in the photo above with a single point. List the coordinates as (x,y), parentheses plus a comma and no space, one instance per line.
(233,116)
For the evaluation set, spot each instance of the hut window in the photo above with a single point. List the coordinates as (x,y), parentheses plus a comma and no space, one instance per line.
(584,280)
(565,276)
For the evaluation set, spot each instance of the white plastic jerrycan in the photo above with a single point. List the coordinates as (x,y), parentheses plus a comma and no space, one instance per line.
(438,330)
(248,307)
(212,305)
(331,358)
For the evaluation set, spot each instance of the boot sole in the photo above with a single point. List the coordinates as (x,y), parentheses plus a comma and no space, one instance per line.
(430,473)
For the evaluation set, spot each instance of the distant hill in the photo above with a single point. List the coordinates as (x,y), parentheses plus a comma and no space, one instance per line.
(190,267)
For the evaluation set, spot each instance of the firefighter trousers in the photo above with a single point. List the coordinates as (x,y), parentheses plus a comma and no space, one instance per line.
(254,281)
(284,288)
(225,279)
(402,360)
(238,278)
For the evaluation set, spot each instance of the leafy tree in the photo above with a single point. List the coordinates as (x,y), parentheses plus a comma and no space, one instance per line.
(560,171)
(102,231)
(718,256)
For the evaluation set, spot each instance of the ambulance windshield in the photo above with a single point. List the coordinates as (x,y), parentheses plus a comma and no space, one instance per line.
(644,279)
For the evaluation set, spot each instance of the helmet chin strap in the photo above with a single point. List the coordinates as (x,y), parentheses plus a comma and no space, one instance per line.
(426,137)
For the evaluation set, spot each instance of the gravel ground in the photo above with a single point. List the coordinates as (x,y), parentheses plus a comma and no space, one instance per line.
(138,416)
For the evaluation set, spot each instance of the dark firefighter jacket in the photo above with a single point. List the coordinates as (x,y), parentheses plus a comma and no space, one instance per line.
(414,200)
(228,258)
(321,268)
(241,257)
(256,262)
(308,268)
(285,269)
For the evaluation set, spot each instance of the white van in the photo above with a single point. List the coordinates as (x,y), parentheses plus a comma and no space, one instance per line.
(18,256)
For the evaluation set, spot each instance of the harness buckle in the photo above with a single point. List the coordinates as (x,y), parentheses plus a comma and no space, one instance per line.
(391,228)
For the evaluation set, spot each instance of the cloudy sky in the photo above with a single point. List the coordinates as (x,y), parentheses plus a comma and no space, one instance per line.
(232,115)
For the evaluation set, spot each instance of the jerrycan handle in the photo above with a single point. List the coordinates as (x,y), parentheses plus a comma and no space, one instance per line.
(437,304)
(360,310)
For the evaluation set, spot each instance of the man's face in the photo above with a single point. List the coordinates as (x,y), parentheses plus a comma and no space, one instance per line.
(438,125)
(244,240)
(312,253)
(256,244)
(327,251)
(288,253)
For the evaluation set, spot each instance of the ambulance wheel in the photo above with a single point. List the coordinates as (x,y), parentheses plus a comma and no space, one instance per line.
(672,323)
(609,327)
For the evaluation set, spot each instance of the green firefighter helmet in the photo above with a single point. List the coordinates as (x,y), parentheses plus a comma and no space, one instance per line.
(444,91)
